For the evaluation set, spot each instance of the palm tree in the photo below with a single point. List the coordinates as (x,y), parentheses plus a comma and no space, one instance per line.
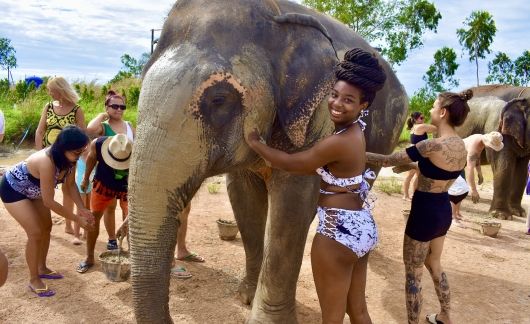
(478,37)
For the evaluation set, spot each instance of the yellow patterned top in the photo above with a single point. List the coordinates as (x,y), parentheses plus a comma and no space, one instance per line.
(55,123)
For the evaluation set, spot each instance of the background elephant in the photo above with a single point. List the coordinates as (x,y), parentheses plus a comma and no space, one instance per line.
(221,69)
(491,112)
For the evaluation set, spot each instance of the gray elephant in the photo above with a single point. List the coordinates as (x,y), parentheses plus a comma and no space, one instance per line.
(221,69)
(491,112)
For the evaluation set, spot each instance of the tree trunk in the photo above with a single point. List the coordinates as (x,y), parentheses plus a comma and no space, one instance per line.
(476,62)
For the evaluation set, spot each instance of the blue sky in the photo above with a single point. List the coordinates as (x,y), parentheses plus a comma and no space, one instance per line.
(84,40)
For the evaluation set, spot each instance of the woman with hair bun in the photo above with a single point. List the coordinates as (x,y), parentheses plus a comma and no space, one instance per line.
(418,132)
(346,232)
(110,123)
(440,162)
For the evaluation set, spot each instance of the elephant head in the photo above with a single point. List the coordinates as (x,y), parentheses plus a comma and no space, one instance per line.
(514,122)
(221,69)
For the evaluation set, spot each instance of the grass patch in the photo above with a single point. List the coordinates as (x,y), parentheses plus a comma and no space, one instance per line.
(214,187)
(389,186)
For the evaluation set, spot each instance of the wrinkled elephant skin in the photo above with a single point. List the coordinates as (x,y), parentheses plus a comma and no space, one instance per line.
(505,109)
(220,70)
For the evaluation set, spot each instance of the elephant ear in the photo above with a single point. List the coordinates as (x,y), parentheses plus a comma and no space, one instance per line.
(513,120)
(304,71)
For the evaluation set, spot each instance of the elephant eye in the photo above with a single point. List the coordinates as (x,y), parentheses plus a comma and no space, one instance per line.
(218,100)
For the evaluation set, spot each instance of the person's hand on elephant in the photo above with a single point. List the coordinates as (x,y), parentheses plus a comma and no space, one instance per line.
(475,197)
(254,137)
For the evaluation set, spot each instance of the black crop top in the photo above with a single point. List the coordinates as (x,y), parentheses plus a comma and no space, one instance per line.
(428,169)
(418,138)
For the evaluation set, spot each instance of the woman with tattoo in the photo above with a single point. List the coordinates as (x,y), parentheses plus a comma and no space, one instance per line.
(346,232)
(440,162)
(418,132)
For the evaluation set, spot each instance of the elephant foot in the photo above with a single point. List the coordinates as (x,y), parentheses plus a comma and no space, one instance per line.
(501,214)
(246,292)
(267,314)
(518,211)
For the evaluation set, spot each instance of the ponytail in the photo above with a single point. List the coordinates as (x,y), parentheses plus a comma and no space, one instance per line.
(412,119)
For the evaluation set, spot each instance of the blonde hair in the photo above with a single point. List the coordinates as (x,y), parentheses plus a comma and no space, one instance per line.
(64,88)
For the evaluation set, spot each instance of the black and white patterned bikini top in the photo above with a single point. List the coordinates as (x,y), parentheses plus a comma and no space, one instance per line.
(361,179)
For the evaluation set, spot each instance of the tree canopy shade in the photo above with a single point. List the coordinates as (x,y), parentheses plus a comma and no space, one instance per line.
(478,36)
(397,27)
(8,60)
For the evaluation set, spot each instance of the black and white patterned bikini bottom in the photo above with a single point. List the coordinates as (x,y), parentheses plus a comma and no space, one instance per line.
(354,229)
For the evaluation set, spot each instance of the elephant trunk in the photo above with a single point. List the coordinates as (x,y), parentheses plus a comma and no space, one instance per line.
(157,196)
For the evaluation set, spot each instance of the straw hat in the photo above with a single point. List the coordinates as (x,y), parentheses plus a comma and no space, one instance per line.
(116,151)
(493,140)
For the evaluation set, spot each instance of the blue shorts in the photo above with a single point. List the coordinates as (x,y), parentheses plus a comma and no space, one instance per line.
(80,173)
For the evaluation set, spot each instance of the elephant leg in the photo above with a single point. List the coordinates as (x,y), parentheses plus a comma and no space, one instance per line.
(292,206)
(518,187)
(248,197)
(502,165)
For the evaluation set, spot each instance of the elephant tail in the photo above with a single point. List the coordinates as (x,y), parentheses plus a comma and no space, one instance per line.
(305,20)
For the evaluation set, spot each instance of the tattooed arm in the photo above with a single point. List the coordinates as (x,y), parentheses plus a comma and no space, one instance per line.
(397,158)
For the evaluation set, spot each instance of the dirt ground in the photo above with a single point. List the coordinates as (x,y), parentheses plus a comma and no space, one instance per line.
(489,277)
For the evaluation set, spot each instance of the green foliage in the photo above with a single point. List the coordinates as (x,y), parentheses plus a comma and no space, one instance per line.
(505,71)
(131,67)
(522,68)
(422,101)
(396,26)
(502,70)
(7,55)
(122,75)
(440,75)
(478,36)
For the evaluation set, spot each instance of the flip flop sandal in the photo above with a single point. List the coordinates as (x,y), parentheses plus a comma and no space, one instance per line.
(432,319)
(83,267)
(192,257)
(180,273)
(51,275)
(42,292)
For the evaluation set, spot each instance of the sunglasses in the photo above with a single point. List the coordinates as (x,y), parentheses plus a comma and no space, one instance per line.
(421,118)
(116,106)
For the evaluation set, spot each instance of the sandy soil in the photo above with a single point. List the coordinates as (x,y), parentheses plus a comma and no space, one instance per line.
(489,277)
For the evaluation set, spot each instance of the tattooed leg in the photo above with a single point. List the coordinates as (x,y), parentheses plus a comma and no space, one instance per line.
(439,278)
(414,255)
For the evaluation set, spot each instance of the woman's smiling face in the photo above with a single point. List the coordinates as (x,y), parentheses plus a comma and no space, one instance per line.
(345,103)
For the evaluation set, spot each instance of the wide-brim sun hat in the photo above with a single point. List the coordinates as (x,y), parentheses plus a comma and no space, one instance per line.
(116,151)
(493,140)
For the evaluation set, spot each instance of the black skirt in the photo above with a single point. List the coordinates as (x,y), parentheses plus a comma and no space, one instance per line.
(430,216)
